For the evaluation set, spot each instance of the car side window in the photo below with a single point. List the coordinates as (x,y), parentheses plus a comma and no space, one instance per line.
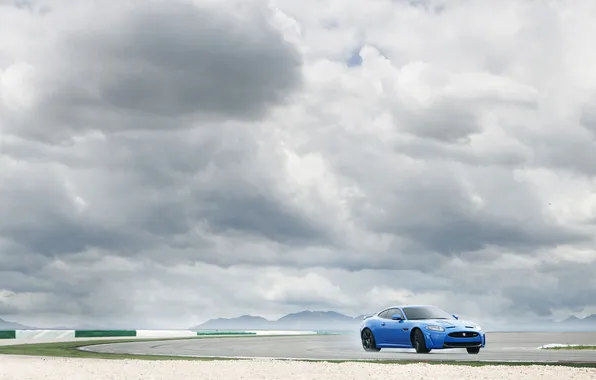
(392,312)
(383,314)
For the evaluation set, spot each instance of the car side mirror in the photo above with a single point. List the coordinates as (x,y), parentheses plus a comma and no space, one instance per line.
(396,317)
(455,316)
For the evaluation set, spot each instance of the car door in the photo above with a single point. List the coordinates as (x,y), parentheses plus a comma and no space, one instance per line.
(381,332)
(393,329)
(403,330)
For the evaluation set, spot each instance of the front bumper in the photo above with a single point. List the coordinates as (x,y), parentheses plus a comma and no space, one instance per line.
(437,340)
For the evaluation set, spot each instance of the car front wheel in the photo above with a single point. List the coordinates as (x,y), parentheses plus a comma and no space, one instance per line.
(420,343)
(368,341)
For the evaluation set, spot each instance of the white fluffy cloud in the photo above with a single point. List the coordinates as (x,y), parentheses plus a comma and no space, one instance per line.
(169,162)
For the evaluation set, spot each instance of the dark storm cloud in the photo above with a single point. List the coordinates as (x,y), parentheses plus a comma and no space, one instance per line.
(257,212)
(32,6)
(572,150)
(437,151)
(431,6)
(159,66)
(229,193)
(84,284)
(440,211)
(66,237)
(454,232)
(588,116)
(446,121)
(17,258)
(554,286)
(140,194)
(218,183)
(21,4)
(42,217)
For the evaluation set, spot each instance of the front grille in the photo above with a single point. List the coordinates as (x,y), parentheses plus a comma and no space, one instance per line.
(462,344)
(463,334)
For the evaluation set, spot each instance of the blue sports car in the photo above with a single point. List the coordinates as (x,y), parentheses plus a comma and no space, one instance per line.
(421,327)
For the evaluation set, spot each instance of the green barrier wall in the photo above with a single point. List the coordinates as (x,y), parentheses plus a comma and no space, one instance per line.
(8,334)
(68,334)
(104,333)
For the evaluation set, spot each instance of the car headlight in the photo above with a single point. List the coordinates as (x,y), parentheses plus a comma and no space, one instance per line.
(435,328)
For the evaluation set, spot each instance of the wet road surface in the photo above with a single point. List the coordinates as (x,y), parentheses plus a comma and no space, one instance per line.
(499,347)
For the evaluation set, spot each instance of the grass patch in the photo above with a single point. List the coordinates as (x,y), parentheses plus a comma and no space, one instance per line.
(570,348)
(71,349)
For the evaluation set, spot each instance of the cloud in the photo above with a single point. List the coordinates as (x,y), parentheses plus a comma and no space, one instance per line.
(311,290)
(163,163)
(160,65)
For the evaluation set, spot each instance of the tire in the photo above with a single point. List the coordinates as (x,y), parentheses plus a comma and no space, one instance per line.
(368,341)
(419,343)
(473,350)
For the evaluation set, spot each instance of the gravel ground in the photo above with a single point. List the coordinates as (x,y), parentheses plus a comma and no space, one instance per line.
(29,368)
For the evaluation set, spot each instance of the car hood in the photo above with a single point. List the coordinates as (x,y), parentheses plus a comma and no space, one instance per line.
(450,323)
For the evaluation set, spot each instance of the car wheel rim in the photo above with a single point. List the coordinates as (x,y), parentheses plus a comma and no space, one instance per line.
(366,341)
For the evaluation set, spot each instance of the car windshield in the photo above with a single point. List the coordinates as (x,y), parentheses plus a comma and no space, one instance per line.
(426,312)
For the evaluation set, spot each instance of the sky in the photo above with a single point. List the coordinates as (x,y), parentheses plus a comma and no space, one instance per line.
(167,162)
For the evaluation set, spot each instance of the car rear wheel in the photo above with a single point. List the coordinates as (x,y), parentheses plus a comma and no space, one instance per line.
(368,341)
(473,350)
(420,343)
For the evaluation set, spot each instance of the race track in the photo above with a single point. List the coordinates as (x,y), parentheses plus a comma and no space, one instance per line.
(521,347)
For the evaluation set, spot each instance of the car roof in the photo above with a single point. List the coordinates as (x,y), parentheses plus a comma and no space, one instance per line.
(402,306)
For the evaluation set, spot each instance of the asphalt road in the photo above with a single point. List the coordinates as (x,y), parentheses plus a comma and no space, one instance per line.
(499,347)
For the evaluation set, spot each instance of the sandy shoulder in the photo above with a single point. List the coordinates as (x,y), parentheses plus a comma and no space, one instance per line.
(34,368)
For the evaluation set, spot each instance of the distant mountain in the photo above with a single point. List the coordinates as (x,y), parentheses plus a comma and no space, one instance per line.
(90,326)
(242,322)
(8,325)
(583,324)
(569,324)
(572,319)
(304,320)
(316,320)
